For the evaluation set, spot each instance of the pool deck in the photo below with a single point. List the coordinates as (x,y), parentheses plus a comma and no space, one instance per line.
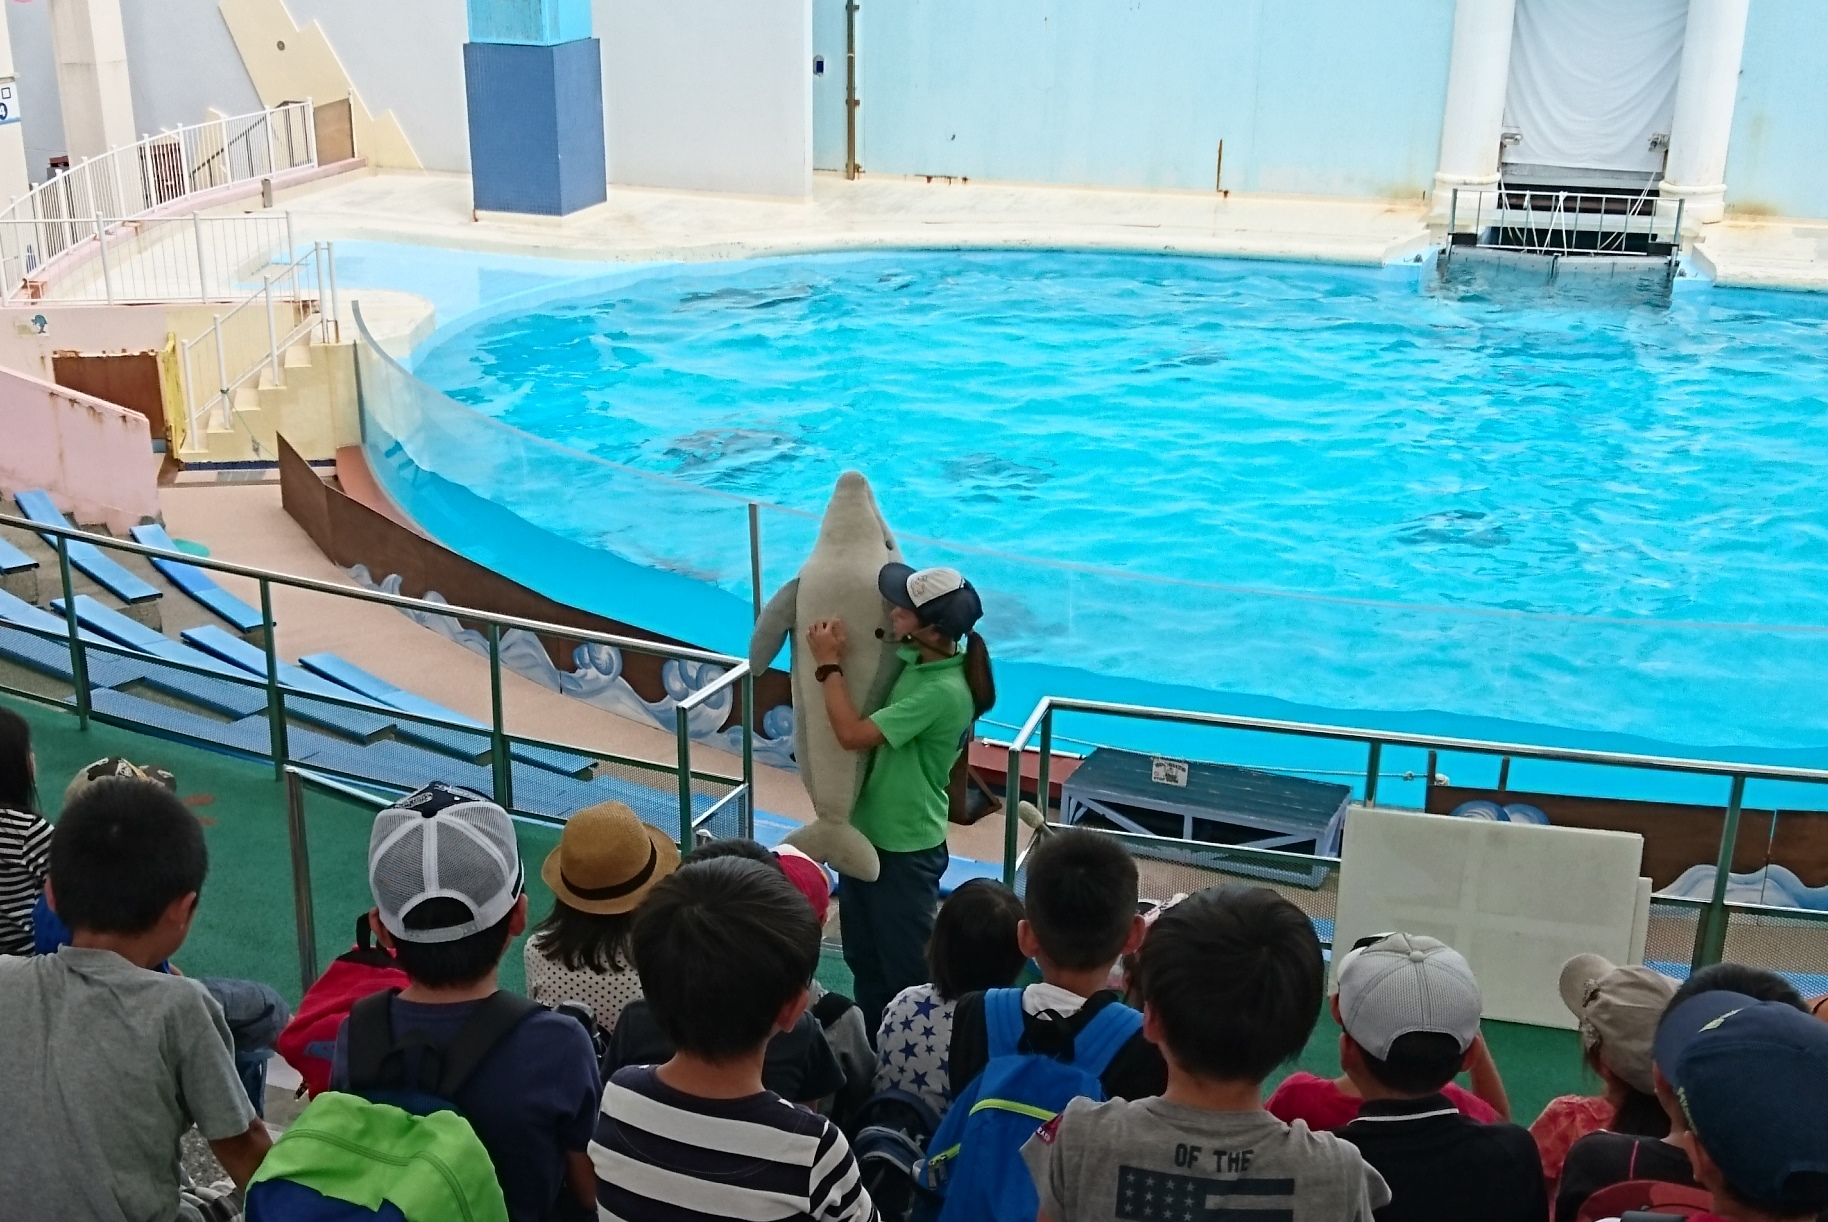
(638,224)
(641,224)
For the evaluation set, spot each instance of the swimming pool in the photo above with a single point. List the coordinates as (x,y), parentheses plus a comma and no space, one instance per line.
(1264,487)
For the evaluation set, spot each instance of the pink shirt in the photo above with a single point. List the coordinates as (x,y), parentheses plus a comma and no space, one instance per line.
(1321,1103)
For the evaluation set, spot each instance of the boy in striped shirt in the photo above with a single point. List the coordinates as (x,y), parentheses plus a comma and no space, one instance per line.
(725,950)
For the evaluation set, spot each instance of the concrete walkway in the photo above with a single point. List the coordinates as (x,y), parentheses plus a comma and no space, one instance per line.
(652,224)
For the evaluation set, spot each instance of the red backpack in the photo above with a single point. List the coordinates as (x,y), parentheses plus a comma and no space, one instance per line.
(1648,1196)
(309,1040)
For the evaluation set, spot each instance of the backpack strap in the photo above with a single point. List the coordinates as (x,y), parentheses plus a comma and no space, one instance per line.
(498,1014)
(1003,1022)
(371,1038)
(831,1007)
(1101,1039)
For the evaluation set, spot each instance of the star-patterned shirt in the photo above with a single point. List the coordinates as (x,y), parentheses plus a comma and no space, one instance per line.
(913,1044)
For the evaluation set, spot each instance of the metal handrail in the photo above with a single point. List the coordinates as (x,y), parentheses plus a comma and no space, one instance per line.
(1710,935)
(682,716)
(736,669)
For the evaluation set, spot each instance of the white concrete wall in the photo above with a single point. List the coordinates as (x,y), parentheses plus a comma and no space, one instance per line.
(709,95)
(95,459)
(30,23)
(172,90)
(405,56)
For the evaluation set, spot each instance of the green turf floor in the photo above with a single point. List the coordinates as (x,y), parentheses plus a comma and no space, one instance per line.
(245,924)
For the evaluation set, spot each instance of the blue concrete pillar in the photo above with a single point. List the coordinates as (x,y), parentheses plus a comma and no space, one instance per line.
(534,79)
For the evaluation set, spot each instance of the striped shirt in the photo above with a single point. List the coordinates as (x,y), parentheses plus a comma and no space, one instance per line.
(664,1156)
(25,855)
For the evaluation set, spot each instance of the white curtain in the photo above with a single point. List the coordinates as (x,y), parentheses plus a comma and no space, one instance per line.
(1593,80)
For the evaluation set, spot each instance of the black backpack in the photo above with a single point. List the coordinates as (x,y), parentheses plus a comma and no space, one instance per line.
(412,1073)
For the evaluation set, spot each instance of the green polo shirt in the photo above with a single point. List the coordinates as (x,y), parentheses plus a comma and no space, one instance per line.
(903,807)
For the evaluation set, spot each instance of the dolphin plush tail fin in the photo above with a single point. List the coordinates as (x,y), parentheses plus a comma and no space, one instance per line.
(840,846)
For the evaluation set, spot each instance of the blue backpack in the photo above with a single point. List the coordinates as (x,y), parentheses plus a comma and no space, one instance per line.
(974,1161)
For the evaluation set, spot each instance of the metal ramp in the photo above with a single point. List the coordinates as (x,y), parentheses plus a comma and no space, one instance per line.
(1564,228)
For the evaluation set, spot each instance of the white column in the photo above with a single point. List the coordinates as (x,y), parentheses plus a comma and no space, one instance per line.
(1477,75)
(15,175)
(91,51)
(1703,121)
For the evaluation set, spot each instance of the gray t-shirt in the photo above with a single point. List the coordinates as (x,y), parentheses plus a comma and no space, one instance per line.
(105,1065)
(1154,1161)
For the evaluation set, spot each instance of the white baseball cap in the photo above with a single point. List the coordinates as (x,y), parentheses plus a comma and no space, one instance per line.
(443,842)
(1403,983)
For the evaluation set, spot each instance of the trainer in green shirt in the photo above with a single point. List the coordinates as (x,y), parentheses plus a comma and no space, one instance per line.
(915,739)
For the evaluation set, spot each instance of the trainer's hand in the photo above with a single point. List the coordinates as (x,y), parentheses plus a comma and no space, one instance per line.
(826,639)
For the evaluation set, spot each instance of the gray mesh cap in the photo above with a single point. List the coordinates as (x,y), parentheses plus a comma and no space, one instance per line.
(443,842)
(1405,983)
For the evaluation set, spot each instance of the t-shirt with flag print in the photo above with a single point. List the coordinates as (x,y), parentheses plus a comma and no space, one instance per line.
(1149,1160)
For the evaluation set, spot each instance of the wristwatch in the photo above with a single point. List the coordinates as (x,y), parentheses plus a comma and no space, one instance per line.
(827,671)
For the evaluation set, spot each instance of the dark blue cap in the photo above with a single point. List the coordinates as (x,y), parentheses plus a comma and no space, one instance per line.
(1752,1078)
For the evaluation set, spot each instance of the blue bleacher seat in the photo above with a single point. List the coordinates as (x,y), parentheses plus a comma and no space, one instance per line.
(130,632)
(252,660)
(86,556)
(353,677)
(195,582)
(12,560)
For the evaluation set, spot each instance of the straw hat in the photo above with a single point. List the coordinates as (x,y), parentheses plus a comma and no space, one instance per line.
(608,860)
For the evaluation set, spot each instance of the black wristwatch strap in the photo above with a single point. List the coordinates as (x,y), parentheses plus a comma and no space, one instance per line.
(827,671)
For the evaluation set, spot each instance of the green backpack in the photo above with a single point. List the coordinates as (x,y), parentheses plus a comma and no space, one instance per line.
(378,1162)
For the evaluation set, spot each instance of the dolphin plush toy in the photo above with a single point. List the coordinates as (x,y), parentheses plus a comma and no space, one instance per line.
(838,581)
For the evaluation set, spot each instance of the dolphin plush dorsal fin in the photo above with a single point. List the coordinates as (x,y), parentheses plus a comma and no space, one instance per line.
(774,626)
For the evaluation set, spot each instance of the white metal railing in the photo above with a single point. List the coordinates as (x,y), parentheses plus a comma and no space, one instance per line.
(252,337)
(145,259)
(1554,222)
(63,214)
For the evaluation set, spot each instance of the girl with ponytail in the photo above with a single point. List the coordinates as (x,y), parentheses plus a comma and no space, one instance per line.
(914,740)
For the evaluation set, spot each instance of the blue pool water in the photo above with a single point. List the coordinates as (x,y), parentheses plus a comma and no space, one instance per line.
(1572,509)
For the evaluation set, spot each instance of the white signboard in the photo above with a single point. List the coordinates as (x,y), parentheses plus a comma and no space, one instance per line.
(1164,771)
(9,100)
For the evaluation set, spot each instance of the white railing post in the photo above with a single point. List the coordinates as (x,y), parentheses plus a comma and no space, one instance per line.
(101,239)
(223,418)
(196,232)
(291,250)
(310,132)
(272,150)
(336,316)
(272,329)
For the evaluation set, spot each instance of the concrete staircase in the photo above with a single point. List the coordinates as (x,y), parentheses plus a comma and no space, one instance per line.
(313,402)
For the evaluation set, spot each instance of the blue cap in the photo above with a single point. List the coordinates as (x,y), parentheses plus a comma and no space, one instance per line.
(1752,1078)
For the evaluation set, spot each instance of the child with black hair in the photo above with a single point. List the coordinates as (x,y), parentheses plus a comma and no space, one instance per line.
(25,835)
(1080,917)
(108,1063)
(973,948)
(1231,981)
(445,869)
(1409,1009)
(1751,1080)
(726,949)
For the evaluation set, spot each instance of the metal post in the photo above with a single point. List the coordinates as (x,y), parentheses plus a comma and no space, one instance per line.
(851,168)
(266,288)
(183,166)
(79,658)
(1504,773)
(1043,768)
(196,229)
(291,250)
(499,760)
(749,755)
(101,238)
(276,700)
(1453,213)
(1012,800)
(304,916)
(1710,930)
(1428,781)
(221,370)
(272,158)
(1374,758)
(335,318)
(755,557)
(680,718)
